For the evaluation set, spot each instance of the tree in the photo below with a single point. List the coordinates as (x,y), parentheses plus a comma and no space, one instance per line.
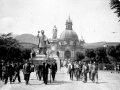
(90,53)
(14,54)
(26,53)
(101,54)
(7,40)
(3,52)
(115,4)
(111,51)
(112,55)
(79,56)
(118,52)
(10,49)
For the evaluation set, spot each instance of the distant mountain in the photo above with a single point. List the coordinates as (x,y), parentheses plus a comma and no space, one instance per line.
(100,44)
(94,45)
(27,38)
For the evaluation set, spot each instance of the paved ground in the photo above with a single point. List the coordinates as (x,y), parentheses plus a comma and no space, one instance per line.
(107,81)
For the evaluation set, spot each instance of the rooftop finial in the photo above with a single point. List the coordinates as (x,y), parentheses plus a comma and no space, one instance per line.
(69,16)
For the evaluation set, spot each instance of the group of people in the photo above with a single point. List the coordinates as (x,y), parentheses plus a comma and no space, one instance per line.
(43,69)
(81,69)
(10,71)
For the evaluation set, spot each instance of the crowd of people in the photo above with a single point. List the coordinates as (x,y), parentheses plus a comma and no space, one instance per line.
(76,69)
(12,70)
(81,69)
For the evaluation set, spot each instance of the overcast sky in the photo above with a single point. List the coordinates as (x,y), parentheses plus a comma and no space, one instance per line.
(93,19)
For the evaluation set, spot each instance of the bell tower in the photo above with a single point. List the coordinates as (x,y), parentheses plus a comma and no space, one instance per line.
(69,24)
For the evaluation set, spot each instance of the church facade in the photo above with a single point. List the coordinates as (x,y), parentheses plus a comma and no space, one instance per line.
(68,44)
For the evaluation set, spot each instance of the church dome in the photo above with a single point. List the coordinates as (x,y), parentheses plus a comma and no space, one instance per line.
(69,33)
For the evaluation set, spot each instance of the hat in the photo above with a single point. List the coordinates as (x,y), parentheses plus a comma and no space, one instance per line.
(42,31)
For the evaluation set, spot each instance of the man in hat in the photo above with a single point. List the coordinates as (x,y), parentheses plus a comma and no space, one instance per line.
(27,71)
(85,71)
(53,69)
(94,72)
(90,69)
(45,72)
(71,69)
(8,73)
(3,71)
(17,72)
(40,70)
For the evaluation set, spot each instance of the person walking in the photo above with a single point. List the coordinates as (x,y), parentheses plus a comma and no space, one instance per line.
(71,70)
(53,69)
(76,66)
(80,70)
(85,71)
(90,69)
(45,72)
(17,73)
(8,73)
(3,71)
(27,71)
(0,71)
(40,71)
(95,72)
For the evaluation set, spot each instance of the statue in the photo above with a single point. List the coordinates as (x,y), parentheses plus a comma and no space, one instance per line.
(42,45)
(54,33)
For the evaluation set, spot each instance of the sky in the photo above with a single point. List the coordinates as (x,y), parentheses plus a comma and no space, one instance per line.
(93,19)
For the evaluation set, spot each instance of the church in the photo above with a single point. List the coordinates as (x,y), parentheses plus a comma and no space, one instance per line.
(68,44)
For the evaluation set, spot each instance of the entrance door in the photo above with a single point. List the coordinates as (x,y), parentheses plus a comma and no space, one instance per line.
(57,53)
(67,55)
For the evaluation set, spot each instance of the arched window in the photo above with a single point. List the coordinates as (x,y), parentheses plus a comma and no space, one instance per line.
(71,42)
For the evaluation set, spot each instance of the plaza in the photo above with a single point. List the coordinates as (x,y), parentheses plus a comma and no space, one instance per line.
(107,81)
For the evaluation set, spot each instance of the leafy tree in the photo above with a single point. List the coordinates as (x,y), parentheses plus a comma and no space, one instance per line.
(112,54)
(3,52)
(79,56)
(118,52)
(9,48)
(26,53)
(115,4)
(14,53)
(90,53)
(101,54)
(7,40)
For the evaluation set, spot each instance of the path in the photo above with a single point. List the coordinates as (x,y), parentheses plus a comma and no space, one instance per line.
(107,81)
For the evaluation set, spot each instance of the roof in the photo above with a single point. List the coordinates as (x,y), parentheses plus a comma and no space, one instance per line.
(69,34)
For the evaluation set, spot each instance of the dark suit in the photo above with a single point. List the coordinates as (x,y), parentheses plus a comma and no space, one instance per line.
(54,70)
(17,73)
(8,74)
(0,71)
(27,71)
(45,72)
(40,71)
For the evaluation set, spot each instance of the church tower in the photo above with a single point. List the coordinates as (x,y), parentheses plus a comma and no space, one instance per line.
(69,24)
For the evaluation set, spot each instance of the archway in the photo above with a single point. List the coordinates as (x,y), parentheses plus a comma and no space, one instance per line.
(67,54)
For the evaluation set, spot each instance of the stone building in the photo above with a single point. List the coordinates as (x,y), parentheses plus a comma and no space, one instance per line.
(68,44)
